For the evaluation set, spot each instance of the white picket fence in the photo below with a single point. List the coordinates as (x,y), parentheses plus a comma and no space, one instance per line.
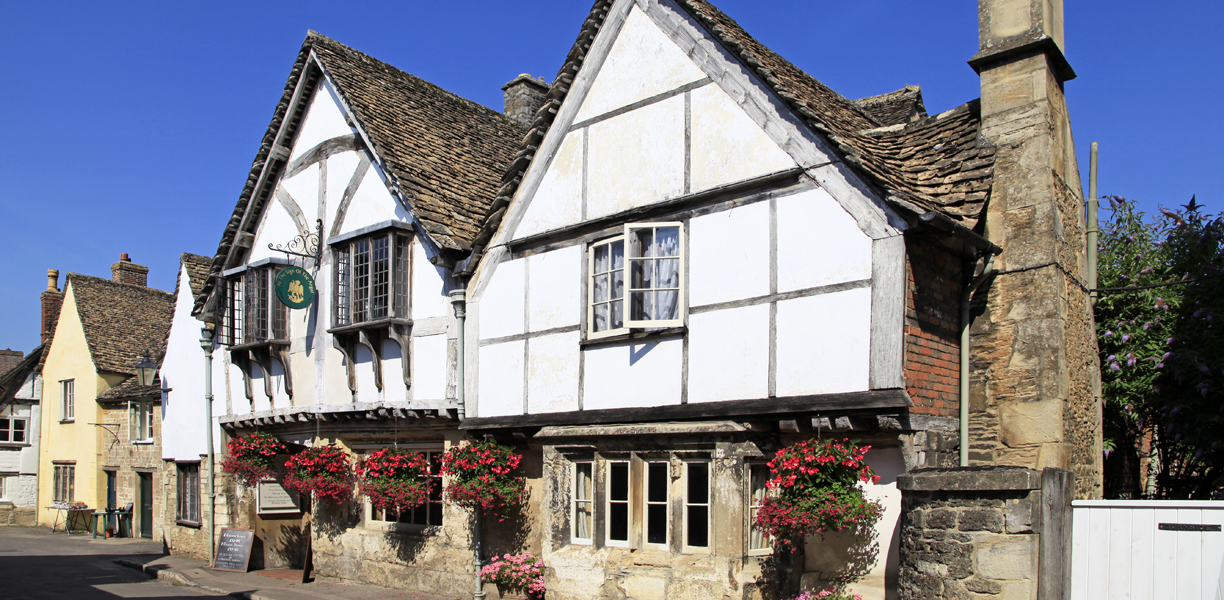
(1147,550)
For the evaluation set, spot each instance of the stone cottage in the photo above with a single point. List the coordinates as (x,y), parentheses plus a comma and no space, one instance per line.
(702,253)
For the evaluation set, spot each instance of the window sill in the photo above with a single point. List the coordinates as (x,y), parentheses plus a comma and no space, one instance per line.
(635,335)
(62,421)
(364,325)
(403,528)
(14,444)
(187,524)
(263,344)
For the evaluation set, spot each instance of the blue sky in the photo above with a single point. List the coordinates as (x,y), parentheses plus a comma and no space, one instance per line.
(130,127)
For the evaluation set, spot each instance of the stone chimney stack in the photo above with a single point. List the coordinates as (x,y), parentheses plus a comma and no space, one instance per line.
(1035,395)
(51,298)
(524,97)
(125,271)
(9,358)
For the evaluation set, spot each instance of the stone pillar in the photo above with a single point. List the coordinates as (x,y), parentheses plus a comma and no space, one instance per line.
(1035,364)
(985,532)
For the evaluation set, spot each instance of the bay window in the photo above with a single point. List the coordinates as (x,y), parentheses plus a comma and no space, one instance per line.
(250,312)
(371,278)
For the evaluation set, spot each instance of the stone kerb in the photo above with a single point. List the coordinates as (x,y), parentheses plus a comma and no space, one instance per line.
(976,533)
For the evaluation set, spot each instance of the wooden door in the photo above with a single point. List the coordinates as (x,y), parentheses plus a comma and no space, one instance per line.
(146,504)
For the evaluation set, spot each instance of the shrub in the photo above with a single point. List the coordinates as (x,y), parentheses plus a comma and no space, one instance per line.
(519,571)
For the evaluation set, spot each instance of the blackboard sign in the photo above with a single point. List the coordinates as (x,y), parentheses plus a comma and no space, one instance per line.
(234,550)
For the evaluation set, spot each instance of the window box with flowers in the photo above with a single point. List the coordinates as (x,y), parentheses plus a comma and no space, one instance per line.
(324,471)
(481,478)
(401,487)
(252,457)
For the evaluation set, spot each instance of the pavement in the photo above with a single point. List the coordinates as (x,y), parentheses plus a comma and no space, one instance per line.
(261,585)
(40,565)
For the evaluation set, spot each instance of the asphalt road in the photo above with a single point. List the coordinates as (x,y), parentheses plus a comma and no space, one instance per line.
(38,565)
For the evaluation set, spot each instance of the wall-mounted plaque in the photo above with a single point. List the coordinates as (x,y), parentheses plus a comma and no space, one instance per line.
(273,498)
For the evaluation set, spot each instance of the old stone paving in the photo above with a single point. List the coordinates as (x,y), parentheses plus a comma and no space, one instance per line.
(42,565)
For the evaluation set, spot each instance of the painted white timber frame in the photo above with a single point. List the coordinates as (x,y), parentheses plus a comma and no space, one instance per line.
(708,504)
(589,500)
(819,163)
(647,503)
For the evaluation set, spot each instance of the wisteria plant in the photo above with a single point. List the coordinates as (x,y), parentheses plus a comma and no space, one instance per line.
(481,477)
(323,470)
(252,457)
(813,488)
(394,479)
(524,572)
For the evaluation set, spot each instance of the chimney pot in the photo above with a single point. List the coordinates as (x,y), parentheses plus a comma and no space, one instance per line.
(52,280)
(524,97)
(123,256)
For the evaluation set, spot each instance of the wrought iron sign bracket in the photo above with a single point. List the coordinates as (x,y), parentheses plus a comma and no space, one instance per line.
(306,246)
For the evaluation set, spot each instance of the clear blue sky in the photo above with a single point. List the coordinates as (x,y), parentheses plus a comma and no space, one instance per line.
(130,127)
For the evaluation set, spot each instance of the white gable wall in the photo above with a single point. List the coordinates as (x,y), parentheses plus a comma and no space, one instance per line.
(182,373)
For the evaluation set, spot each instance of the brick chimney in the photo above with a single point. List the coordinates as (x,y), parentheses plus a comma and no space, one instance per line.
(51,298)
(9,358)
(1035,385)
(125,271)
(524,97)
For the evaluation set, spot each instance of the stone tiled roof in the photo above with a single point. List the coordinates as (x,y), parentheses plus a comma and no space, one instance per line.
(197,270)
(12,379)
(931,164)
(895,108)
(121,321)
(443,153)
(130,389)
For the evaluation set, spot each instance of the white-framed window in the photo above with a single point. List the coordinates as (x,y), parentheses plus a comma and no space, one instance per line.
(67,400)
(371,278)
(657,492)
(13,430)
(64,483)
(758,476)
(250,311)
(617,517)
(140,421)
(582,513)
(696,506)
(426,515)
(636,280)
(3,487)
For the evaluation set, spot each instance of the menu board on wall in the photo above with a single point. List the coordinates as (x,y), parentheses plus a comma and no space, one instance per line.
(273,498)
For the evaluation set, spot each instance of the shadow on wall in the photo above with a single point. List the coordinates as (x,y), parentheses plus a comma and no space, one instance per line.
(290,545)
(840,558)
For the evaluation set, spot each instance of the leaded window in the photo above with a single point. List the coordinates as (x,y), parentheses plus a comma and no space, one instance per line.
(189,492)
(250,311)
(371,278)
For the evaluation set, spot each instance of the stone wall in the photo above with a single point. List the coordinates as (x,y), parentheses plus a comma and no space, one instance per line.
(23,516)
(187,539)
(932,326)
(127,459)
(985,533)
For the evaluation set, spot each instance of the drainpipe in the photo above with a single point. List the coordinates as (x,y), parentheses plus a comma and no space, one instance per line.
(206,344)
(987,271)
(1094,225)
(458,299)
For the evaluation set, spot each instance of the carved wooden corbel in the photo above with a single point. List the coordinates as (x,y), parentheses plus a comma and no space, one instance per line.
(242,360)
(375,346)
(263,359)
(282,356)
(399,333)
(348,362)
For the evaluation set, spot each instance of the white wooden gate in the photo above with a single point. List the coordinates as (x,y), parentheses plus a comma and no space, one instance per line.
(1147,550)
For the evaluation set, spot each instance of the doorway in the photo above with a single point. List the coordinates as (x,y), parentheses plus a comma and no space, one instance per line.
(112,492)
(146,504)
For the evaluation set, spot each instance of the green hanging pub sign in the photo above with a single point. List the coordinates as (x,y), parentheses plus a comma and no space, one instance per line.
(295,287)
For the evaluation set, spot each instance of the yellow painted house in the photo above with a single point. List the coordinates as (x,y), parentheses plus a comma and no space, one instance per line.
(103,328)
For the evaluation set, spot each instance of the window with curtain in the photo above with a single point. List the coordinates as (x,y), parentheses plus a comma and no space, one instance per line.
(636,280)
(189,493)
(371,278)
(140,421)
(583,516)
(67,400)
(758,476)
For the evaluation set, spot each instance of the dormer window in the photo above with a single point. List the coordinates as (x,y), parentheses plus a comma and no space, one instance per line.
(371,275)
(250,311)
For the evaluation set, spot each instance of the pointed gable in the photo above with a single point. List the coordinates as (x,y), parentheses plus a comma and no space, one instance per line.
(121,321)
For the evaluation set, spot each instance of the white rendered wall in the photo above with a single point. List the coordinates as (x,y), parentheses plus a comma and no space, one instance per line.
(729,354)
(727,146)
(819,243)
(729,255)
(636,158)
(824,343)
(182,372)
(555,297)
(31,390)
(552,377)
(558,201)
(323,121)
(633,374)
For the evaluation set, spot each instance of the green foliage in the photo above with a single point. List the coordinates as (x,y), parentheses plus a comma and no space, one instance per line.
(1162,347)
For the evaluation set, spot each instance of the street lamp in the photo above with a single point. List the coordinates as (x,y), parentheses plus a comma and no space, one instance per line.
(145,369)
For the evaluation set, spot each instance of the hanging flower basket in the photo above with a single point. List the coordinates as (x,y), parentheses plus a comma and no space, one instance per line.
(480,478)
(394,479)
(251,457)
(323,470)
(813,488)
(516,575)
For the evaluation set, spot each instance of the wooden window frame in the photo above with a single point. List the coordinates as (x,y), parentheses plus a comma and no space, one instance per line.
(9,431)
(709,507)
(751,508)
(184,502)
(608,502)
(681,308)
(395,282)
(67,400)
(369,522)
(64,483)
(575,500)
(142,425)
(250,311)
(665,546)
(590,295)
